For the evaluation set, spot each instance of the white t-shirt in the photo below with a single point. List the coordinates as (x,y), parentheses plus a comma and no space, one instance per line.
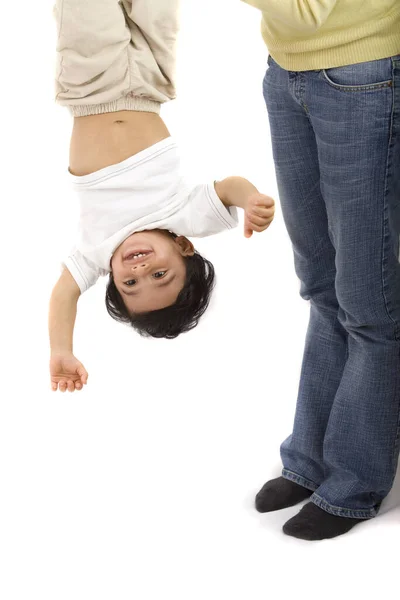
(145,191)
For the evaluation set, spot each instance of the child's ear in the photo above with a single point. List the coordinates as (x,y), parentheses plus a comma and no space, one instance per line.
(186,247)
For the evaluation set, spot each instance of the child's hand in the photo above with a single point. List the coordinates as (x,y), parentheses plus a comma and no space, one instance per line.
(67,373)
(259,214)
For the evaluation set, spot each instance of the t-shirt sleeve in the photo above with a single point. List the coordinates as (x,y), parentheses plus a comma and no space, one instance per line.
(82,270)
(206,214)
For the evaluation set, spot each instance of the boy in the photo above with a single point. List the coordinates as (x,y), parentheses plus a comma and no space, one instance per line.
(115,68)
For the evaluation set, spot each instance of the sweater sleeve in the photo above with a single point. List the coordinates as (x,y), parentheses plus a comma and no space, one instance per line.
(304,15)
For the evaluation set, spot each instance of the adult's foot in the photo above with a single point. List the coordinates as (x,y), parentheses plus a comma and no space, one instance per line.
(280,493)
(313,523)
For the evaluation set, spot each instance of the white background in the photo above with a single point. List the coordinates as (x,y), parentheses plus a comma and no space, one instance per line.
(142,486)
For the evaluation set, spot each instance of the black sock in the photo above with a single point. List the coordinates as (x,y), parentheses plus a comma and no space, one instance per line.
(313,523)
(280,493)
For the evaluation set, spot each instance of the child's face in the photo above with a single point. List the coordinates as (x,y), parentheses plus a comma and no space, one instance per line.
(154,280)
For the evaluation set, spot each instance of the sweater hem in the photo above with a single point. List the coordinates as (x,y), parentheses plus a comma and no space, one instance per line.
(358,52)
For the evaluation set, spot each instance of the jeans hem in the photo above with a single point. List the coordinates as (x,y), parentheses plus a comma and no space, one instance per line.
(343,512)
(299,480)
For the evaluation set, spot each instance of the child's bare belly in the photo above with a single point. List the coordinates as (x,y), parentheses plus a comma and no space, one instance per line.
(101,140)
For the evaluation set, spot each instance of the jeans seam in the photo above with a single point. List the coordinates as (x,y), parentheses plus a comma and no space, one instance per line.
(396,446)
(395,65)
(385,232)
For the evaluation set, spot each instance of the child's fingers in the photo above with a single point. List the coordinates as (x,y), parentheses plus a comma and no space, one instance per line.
(54,386)
(262,200)
(71,385)
(260,211)
(255,221)
(248,230)
(62,386)
(259,222)
(260,228)
(83,374)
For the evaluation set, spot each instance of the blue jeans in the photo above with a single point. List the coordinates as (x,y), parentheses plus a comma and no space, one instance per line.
(336,146)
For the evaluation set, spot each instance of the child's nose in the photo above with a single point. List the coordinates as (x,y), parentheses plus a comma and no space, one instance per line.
(143,266)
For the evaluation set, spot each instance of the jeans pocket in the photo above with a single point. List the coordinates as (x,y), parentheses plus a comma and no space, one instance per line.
(370,75)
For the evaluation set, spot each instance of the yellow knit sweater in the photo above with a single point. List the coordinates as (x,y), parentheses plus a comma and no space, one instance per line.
(319,34)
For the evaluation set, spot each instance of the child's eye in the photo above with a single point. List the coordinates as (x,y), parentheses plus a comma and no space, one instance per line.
(130,282)
(159,274)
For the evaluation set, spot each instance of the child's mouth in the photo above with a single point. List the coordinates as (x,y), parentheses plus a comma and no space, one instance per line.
(138,254)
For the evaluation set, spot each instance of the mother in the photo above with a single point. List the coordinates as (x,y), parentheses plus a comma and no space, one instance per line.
(332,91)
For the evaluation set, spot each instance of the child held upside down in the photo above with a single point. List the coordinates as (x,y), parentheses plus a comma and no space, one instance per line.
(115,67)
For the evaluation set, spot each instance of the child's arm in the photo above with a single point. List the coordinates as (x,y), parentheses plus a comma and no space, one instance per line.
(259,209)
(65,370)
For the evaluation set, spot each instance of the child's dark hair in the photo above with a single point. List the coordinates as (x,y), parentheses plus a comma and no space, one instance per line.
(182,316)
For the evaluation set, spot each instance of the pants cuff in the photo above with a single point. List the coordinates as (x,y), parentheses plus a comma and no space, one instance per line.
(338,511)
(125,103)
(310,485)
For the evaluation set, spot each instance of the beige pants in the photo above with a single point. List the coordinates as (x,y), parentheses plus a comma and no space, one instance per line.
(115,55)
